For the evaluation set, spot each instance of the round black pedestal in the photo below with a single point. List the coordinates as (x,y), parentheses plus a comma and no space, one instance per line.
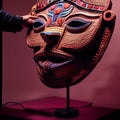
(65,113)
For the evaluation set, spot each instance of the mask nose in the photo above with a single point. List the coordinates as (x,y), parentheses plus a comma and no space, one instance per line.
(50,37)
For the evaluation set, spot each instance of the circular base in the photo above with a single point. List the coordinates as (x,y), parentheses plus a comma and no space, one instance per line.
(65,113)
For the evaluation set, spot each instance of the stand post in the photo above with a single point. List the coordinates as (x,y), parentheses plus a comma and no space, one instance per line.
(68,99)
(66,112)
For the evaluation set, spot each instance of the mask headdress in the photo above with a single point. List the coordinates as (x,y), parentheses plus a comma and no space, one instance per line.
(93,5)
(41,5)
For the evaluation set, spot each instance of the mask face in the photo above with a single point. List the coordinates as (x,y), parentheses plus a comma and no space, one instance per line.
(69,38)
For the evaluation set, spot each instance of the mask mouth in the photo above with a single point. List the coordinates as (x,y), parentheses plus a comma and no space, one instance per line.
(54,67)
(52,61)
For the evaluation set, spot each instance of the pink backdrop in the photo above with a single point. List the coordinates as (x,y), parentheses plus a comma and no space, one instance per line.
(20,80)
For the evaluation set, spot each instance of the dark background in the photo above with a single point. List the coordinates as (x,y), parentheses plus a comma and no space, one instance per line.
(1,60)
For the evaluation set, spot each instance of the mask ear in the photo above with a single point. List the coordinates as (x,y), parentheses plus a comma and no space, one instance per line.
(108,16)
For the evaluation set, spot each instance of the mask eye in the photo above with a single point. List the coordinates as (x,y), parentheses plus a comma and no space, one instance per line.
(77,25)
(38,25)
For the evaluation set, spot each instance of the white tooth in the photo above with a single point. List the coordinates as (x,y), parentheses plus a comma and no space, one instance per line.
(51,65)
(40,64)
(45,65)
(55,65)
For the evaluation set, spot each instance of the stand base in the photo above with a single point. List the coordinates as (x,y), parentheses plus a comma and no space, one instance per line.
(65,113)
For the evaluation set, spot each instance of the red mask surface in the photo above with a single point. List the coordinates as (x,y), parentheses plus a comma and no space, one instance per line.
(69,38)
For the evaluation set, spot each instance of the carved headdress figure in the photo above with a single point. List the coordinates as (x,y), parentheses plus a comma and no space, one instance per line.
(69,38)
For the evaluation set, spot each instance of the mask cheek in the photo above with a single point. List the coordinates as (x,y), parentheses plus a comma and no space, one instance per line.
(79,41)
(80,33)
(35,41)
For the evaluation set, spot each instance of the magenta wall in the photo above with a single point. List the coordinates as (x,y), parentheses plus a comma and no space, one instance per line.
(107,73)
(20,80)
(102,86)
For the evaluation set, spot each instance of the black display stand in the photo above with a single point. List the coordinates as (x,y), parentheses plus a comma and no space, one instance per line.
(67,112)
(1,60)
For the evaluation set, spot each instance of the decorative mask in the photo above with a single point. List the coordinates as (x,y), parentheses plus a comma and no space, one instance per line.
(69,38)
